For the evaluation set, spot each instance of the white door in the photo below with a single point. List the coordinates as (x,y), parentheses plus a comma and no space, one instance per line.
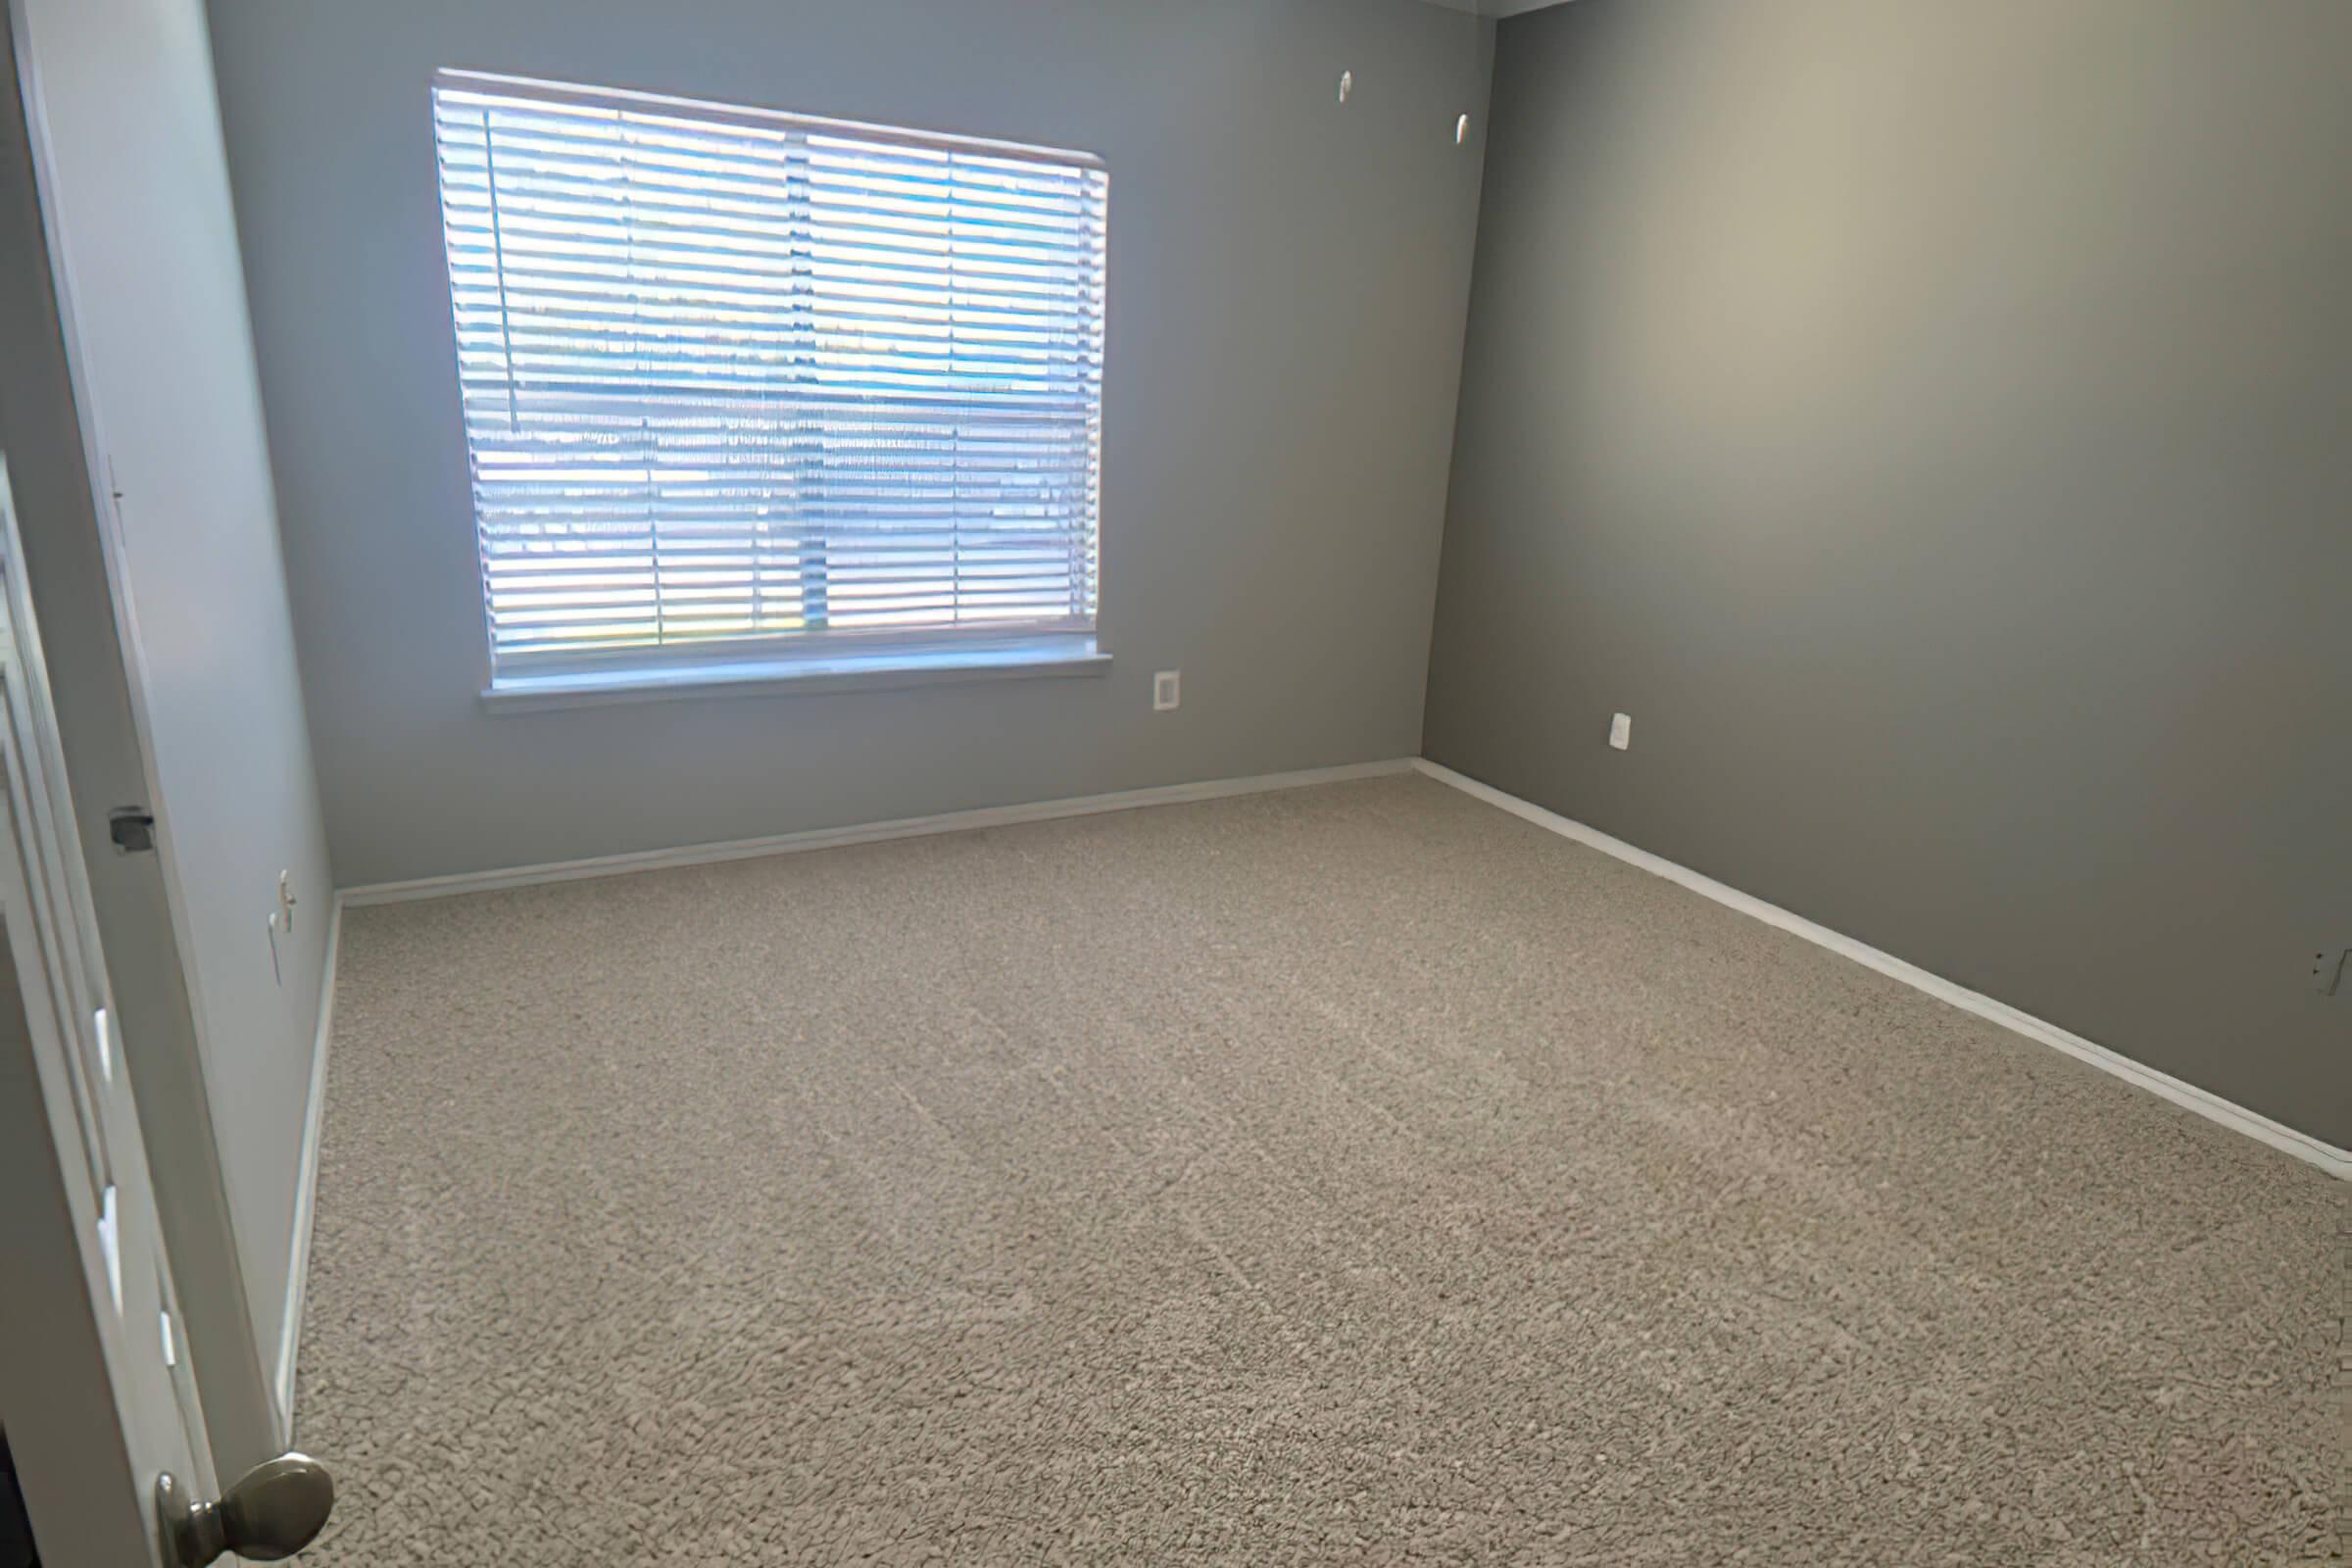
(96,1386)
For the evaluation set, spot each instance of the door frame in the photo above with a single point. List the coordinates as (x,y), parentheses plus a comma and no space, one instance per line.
(72,574)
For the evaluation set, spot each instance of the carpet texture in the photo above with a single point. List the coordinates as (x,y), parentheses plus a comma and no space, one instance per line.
(1353,1174)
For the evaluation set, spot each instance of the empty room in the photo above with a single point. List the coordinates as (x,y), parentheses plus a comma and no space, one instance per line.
(1127,782)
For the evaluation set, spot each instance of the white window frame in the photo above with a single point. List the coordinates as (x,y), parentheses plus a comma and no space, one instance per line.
(834,660)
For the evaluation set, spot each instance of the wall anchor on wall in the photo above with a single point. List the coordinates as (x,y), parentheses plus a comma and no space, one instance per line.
(2327,969)
(1346,84)
(1461,129)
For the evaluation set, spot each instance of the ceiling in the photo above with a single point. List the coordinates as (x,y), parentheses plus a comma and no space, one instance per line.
(1496,8)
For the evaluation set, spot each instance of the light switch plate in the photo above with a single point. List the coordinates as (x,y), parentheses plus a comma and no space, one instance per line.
(1167,689)
(1621,731)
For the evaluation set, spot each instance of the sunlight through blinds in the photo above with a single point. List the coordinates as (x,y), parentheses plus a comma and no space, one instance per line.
(740,384)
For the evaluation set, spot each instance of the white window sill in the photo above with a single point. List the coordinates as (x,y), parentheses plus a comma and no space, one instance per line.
(786,677)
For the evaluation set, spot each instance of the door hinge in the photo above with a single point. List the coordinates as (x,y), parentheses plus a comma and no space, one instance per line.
(132,828)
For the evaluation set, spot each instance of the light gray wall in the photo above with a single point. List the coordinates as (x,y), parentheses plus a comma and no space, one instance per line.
(134,196)
(1934,424)
(1288,278)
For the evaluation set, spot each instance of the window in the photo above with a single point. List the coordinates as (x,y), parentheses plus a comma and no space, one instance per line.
(753,393)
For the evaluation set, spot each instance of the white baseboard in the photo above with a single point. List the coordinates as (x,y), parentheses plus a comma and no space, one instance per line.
(827,838)
(2329,1159)
(2325,1156)
(306,1183)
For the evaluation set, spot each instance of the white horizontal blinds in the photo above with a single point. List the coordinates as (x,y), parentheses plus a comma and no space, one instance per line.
(741,379)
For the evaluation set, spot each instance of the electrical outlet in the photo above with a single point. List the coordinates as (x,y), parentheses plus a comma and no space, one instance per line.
(1621,731)
(1167,689)
(2327,969)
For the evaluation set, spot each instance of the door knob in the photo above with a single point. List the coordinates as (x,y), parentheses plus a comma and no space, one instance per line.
(273,1511)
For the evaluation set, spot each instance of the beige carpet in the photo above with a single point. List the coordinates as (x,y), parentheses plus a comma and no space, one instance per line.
(1356,1174)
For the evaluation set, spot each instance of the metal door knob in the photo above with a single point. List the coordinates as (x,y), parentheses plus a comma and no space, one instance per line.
(274,1510)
